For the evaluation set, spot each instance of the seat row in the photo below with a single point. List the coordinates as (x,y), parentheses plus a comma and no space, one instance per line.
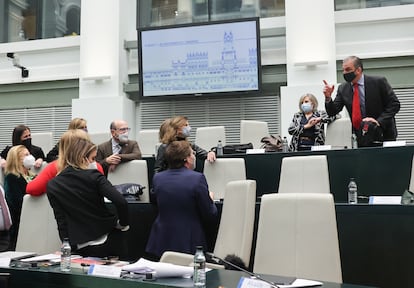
(296,234)
(338,135)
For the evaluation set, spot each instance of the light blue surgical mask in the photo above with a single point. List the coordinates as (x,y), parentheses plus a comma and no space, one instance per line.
(186,131)
(306,107)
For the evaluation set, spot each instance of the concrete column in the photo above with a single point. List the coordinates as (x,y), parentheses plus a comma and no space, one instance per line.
(310,54)
(103,63)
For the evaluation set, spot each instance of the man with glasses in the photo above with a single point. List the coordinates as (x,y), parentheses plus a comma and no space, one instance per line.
(119,148)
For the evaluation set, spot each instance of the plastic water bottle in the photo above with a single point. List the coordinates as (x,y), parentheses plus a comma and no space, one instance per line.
(352,192)
(199,276)
(219,150)
(65,256)
(285,146)
(354,142)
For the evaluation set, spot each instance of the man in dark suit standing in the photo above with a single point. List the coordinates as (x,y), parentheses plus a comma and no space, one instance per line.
(376,99)
(119,148)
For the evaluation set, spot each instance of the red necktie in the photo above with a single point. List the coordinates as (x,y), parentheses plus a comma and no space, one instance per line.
(356,109)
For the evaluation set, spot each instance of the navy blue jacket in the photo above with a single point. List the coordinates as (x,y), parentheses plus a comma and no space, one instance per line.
(185,210)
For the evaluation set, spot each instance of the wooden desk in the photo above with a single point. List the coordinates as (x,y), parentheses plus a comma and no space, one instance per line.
(53,278)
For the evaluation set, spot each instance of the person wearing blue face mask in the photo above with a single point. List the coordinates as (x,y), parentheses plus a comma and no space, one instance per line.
(307,126)
(178,129)
(376,101)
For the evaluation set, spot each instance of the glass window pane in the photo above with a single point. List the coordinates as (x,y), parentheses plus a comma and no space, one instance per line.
(38,19)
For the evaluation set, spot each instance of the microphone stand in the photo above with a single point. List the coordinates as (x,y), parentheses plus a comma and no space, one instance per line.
(251,274)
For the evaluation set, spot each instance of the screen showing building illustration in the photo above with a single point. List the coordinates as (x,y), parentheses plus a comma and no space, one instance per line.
(200,59)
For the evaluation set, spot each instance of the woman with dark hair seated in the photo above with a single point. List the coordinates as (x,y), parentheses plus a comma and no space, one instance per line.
(23,136)
(185,205)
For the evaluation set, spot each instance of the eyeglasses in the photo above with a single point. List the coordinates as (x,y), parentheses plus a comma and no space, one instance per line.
(124,129)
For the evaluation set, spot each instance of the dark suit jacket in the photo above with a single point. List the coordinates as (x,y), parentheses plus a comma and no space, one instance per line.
(185,209)
(130,151)
(77,199)
(161,164)
(381,103)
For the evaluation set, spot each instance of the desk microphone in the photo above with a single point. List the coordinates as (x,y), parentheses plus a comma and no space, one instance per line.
(253,275)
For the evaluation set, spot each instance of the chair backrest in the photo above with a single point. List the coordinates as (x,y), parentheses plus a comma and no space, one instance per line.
(38,170)
(44,140)
(221,172)
(339,134)
(183,259)
(252,131)
(297,236)
(235,234)
(99,137)
(38,228)
(411,187)
(147,141)
(134,171)
(208,137)
(304,174)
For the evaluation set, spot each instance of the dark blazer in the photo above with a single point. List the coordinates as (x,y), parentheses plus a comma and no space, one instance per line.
(130,151)
(15,189)
(53,154)
(185,210)
(161,164)
(77,199)
(381,103)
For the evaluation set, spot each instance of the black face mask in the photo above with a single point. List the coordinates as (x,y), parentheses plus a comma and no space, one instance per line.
(27,143)
(349,76)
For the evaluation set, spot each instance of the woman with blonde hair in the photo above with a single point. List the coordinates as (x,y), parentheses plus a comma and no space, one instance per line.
(307,126)
(178,129)
(77,196)
(74,124)
(17,171)
(38,185)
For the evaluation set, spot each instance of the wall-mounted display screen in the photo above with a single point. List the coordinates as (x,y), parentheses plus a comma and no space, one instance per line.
(211,58)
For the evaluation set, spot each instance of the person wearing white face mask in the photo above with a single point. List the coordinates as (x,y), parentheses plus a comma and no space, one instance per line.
(17,171)
(38,185)
(185,205)
(307,126)
(119,148)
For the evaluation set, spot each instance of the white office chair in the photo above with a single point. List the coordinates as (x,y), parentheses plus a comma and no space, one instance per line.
(208,137)
(99,137)
(304,174)
(235,233)
(44,140)
(147,141)
(252,131)
(134,171)
(38,228)
(221,172)
(411,187)
(339,134)
(297,236)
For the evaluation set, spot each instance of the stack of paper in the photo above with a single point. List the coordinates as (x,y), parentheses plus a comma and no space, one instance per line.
(161,270)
